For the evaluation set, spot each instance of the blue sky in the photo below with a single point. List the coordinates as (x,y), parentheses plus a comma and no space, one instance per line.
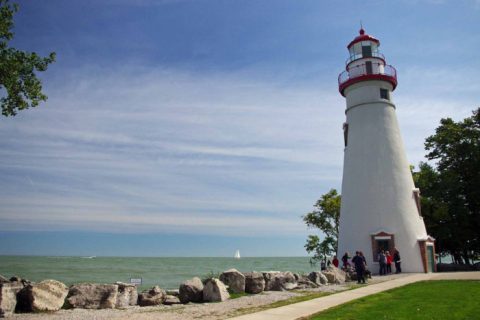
(194,128)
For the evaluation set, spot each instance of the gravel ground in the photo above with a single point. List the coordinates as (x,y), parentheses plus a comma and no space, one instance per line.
(204,311)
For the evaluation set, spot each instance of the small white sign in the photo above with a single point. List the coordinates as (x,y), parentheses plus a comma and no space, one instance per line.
(136,281)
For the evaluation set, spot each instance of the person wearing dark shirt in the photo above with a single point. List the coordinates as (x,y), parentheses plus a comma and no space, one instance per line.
(382,261)
(345,260)
(359,263)
(397,260)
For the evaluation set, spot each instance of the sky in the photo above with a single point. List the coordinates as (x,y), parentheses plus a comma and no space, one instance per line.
(198,127)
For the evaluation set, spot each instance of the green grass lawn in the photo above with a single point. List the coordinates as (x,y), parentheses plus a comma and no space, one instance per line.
(449,300)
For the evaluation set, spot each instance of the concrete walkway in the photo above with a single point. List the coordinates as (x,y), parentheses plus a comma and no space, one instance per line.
(308,308)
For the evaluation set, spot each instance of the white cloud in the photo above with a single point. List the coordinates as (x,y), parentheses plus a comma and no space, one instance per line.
(139,147)
(143,150)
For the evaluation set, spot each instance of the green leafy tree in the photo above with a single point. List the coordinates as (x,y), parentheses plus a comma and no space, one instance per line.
(325,216)
(19,86)
(435,211)
(451,191)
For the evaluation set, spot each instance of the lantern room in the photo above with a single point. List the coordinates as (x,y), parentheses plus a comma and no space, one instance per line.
(365,63)
(363,46)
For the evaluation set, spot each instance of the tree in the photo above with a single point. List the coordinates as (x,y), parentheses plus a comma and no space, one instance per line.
(451,192)
(324,216)
(19,86)
(435,211)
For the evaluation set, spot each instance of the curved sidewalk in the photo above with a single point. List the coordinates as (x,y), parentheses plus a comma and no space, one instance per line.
(310,307)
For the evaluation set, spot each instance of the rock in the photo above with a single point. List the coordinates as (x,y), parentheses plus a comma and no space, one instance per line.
(173,292)
(214,290)
(279,281)
(191,291)
(152,297)
(48,295)
(24,282)
(304,282)
(334,275)
(93,296)
(234,280)
(8,297)
(169,300)
(254,282)
(353,276)
(3,279)
(318,278)
(348,277)
(127,295)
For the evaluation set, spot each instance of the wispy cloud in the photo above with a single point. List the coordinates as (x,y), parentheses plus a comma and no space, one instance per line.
(171,151)
(142,150)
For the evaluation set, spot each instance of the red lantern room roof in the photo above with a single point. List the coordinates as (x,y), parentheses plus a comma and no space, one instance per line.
(363,37)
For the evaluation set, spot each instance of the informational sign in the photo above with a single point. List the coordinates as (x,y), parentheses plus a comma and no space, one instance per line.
(136,281)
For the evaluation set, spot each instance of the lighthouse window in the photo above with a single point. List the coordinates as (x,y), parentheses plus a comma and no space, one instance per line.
(345,133)
(384,94)
(366,51)
(368,67)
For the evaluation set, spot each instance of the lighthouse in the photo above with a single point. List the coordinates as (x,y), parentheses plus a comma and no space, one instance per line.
(380,208)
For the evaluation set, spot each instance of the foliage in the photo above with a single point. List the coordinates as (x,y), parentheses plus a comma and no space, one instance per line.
(325,217)
(211,275)
(448,300)
(19,85)
(451,191)
(236,295)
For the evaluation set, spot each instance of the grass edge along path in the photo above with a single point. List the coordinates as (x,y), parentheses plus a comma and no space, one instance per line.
(439,300)
(304,297)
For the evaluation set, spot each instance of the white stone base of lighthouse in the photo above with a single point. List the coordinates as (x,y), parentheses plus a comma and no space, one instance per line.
(380,208)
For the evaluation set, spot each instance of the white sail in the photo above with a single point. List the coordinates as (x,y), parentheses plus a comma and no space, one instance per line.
(237,254)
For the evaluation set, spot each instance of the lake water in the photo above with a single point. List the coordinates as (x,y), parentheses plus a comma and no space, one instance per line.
(168,273)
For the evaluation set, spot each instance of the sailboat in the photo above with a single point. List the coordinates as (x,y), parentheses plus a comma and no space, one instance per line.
(237,254)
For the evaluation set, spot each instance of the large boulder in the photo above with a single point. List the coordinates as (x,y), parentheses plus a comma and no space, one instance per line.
(234,280)
(254,282)
(93,296)
(279,281)
(152,297)
(127,295)
(8,297)
(191,291)
(303,282)
(48,295)
(215,291)
(334,275)
(318,278)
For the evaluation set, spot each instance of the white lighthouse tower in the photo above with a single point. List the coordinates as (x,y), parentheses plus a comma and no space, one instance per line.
(380,205)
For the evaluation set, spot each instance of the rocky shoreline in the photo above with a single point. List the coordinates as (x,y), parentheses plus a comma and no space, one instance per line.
(21,298)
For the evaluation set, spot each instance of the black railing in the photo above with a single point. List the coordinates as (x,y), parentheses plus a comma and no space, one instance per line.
(360,56)
(365,69)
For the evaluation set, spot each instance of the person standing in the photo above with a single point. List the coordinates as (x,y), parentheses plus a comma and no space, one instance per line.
(345,261)
(335,261)
(397,260)
(359,263)
(389,261)
(382,260)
